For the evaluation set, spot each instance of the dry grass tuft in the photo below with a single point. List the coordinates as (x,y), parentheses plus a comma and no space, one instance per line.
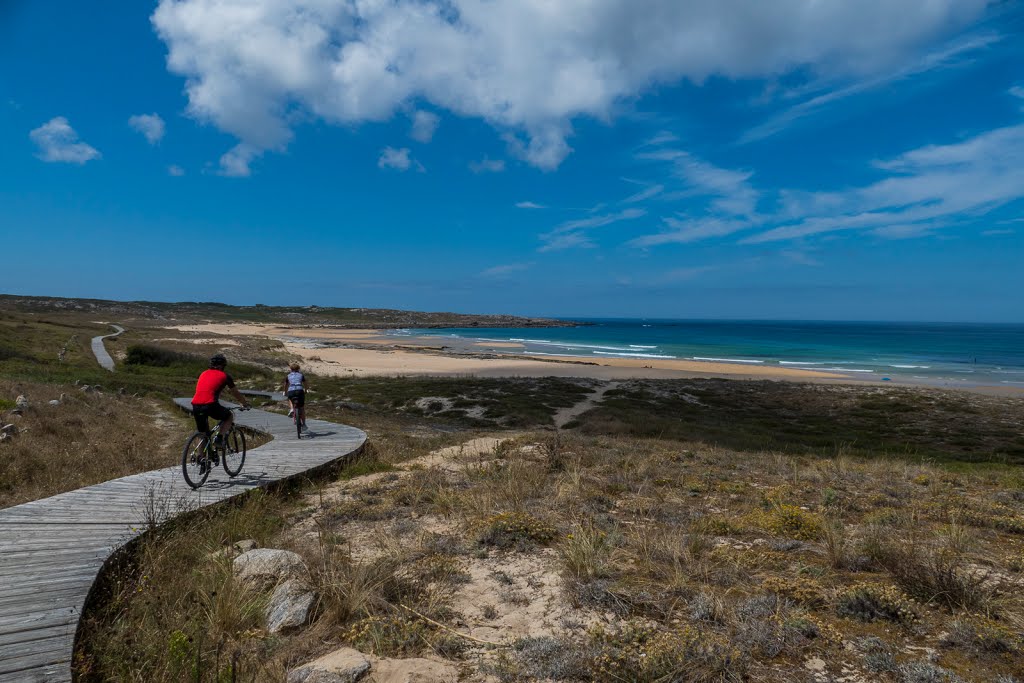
(86,439)
(937,575)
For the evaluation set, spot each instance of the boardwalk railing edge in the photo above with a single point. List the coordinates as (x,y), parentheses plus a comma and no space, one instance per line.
(282,461)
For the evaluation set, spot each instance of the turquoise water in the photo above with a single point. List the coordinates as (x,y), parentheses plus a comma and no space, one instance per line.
(931,353)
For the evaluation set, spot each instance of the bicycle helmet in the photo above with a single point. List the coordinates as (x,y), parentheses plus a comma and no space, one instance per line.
(218,361)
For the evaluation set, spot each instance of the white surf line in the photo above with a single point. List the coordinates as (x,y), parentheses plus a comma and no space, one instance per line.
(100,351)
(566,415)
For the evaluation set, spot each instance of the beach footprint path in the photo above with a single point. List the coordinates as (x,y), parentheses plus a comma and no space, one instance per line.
(566,415)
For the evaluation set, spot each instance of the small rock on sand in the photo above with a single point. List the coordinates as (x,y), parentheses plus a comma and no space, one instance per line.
(347,666)
(341,666)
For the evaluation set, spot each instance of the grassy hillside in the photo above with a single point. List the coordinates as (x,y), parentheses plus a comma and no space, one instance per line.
(190,311)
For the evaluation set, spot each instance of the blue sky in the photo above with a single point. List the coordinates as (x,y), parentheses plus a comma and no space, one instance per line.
(701,159)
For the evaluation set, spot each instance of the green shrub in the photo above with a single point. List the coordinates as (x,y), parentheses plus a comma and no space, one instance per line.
(154,356)
(515,530)
(789,521)
(872,602)
(981,635)
(642,652)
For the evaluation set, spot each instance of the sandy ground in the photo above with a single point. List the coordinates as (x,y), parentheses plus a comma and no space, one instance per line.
(355,361)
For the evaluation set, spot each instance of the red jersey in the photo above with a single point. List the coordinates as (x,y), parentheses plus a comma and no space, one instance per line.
(209,386)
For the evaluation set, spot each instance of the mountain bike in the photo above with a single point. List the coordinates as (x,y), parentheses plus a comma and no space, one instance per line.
(203,452)
(294,405)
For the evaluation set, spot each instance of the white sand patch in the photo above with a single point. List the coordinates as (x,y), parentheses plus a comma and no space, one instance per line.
(219,341)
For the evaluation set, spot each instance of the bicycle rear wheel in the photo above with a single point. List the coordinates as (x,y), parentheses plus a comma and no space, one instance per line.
(298,423)
(234,452)
(195,462)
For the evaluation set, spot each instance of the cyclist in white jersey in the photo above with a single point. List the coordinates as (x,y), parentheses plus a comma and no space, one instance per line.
(294,386)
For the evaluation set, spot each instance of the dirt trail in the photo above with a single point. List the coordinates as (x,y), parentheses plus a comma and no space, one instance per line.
(566,415)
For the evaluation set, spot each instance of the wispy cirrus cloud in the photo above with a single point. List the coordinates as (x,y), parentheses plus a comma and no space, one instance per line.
(681,230)
(685,274)
(487,165)
(729,191)
(505,270)
(724,200)
(957,53)
(925,189)
(529,205)
(922,191)
(644,194)
(57,141)
(574,233)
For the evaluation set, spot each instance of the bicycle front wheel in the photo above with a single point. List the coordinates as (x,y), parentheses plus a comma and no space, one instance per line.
(234,452)
(195,461)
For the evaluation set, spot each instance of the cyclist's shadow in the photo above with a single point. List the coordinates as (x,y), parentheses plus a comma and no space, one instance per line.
(247,480)
(312,435)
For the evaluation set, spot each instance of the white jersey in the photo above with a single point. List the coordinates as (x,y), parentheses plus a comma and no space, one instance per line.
(295,380)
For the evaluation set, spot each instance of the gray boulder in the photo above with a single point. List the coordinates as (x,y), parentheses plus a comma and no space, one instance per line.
(341,666)
(290,606)
(268,567)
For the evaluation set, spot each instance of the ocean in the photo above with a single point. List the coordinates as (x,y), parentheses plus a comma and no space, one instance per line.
(946,354)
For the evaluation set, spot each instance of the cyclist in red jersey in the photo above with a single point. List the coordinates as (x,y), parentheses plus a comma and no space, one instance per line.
(205,403)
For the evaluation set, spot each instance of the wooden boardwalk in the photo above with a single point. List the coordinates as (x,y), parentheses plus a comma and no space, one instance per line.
(100,351)
(52,550)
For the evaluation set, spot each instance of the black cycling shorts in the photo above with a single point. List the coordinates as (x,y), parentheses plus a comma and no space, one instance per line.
(298,397)
(204,411)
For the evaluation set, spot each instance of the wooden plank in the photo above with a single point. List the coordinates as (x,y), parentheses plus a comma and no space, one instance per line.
(37,635)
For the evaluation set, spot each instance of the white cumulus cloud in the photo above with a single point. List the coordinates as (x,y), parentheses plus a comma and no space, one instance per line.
(397,159)
(58,141)
(527,67)
(150,125)
(424,125)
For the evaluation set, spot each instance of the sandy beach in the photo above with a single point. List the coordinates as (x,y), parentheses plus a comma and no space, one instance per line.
(369,352)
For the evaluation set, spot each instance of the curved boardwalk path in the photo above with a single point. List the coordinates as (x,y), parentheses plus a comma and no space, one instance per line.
(52,550)
(100,351)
